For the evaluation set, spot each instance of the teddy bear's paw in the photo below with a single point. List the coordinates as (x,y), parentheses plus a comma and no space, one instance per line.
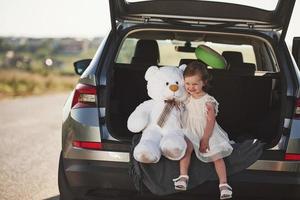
(146,152)
(144,157)
(174,153)
(136,124)
(173,146)
(148,158)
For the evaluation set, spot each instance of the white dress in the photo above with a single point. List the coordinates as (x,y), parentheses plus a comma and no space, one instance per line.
(195,121)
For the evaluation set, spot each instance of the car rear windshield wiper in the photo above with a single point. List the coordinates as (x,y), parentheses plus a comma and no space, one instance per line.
(222,25)
(212,25)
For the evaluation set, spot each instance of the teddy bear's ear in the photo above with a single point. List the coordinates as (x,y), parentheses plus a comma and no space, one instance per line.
(182,67)
(150,72)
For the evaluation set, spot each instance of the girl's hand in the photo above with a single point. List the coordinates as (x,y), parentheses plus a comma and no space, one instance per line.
(204,145)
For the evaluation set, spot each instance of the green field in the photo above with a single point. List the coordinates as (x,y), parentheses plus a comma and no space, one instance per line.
(16,83)
(39,66)
(38,79)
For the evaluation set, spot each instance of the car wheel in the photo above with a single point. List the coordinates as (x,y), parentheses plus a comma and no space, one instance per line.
(63,186)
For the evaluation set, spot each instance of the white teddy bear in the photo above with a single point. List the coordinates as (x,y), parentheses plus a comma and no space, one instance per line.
(160,118)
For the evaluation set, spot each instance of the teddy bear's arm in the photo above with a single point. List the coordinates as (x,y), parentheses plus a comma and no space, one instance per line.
(139,118)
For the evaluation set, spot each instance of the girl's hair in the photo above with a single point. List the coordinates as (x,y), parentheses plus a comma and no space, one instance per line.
(198,68)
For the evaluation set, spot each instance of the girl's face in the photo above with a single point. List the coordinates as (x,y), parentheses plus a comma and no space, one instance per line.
(194,85)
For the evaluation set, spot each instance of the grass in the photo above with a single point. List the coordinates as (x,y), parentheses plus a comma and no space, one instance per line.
(15,83)
(36,79)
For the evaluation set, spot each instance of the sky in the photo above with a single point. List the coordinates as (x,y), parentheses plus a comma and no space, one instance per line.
(54,18)
(74,18)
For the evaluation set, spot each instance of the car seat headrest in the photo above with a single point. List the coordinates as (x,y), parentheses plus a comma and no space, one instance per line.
(146,51)
(186,61)
(233,57)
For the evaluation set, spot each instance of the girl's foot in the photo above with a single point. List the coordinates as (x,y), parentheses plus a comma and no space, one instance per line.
(181,182)
(226,191)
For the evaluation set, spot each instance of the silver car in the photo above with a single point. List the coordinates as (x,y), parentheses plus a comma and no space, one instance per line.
(258,92)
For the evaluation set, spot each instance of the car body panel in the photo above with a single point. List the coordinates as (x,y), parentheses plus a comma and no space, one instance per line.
(294,139)
(83,115)
(84,154)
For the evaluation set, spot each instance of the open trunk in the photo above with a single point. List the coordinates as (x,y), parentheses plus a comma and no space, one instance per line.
(249,90)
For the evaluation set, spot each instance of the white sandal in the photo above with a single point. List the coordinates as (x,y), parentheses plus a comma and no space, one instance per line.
(181,182)
(226,191)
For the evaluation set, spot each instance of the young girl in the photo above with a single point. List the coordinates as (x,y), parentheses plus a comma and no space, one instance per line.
(203,135)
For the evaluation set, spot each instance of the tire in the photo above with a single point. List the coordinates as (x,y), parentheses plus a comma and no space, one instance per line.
(63,185)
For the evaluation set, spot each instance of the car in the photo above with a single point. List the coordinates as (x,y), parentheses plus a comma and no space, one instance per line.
(258,91)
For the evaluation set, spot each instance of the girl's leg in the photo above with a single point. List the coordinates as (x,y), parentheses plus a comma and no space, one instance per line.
(221,170)
(225,189)
(181,182)
(185,161)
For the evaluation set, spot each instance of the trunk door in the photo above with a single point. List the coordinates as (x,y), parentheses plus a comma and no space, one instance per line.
(272,14)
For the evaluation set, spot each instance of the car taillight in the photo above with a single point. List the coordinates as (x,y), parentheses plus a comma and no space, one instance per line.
(85,96)
(297,111)
(87,145)
(292,156)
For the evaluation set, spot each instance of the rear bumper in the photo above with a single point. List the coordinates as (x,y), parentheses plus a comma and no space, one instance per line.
(93,177)
(115,156)
(271,184)
(267,177)
(98,174)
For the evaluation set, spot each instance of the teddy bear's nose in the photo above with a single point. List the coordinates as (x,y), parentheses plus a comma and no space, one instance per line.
(174,88)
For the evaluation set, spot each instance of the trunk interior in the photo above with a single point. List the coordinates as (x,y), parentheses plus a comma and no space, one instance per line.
(249,97)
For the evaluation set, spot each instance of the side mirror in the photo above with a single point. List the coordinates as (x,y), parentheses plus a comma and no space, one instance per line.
(296,50)
(81,65)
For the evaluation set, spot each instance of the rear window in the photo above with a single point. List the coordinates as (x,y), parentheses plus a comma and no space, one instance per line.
(169,56)
(252,50)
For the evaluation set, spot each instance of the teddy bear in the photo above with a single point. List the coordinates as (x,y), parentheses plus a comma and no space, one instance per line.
(160,118)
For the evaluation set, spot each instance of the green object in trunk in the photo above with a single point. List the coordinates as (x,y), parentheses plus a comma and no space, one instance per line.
(210,57)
